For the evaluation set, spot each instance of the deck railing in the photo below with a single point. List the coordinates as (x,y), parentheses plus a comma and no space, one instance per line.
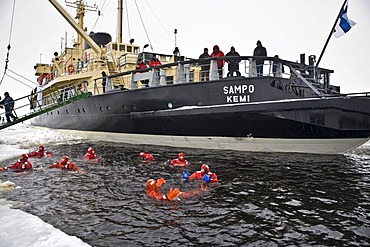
(303,77)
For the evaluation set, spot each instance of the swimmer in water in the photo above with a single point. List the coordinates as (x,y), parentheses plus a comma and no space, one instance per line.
(180,161)
(204,174)
(65,164)
(40,153)
(146,156)
(20,165)
(152,190)
(90,155)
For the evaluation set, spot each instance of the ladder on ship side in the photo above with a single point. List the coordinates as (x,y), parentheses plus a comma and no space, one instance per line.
(73,96)
(112,68)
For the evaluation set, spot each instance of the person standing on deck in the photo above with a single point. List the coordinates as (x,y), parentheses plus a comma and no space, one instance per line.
(259,51)
(104,80)
(8,103)
(204,66)
(220,63)
(233,63)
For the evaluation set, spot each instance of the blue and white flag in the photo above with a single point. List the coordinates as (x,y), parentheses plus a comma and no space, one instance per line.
(343,23)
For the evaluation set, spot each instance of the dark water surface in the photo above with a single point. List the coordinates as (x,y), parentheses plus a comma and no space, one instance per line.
(264,199)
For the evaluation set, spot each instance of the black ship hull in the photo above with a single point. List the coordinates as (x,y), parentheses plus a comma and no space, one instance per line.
(251,113)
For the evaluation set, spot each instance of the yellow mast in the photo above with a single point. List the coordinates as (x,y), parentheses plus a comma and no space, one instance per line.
(119,22)
(79,29)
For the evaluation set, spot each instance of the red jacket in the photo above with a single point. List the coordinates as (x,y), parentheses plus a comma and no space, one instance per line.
(141,65)
(220,63)
(177,162)
(20,166)
(146,156)
(64,165)
(152,190)
(154,62)
(198,175)
(90,156)
(39,154)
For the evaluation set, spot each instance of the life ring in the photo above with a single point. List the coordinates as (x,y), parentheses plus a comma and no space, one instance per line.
(71,68)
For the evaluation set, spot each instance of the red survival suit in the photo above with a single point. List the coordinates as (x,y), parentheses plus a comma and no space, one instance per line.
(40,153)
(204,170)
(153,186)
(90,155)
(146,156)
(65,164)
(21,165)
(152,190)
(180,161)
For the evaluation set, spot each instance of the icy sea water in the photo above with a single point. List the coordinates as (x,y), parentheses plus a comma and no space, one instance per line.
(263,199)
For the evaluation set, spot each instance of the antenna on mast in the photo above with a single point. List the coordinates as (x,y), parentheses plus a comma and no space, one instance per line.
(81,8)
(175,37)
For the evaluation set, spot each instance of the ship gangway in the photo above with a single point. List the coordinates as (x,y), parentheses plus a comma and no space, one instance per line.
(35,107)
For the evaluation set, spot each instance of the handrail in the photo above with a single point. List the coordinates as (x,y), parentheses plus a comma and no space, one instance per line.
(37,103)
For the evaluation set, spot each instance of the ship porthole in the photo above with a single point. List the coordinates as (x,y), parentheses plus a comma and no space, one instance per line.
(124,107)
(170,105)
(101,109)
(58,112)
(108,108)
(83,109)
(51,113)
(199,103)
(67,111)
(134,107)
(78,110)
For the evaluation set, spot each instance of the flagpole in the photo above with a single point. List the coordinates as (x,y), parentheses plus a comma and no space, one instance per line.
(331,32)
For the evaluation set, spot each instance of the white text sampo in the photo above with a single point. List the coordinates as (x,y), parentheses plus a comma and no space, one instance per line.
(238,94)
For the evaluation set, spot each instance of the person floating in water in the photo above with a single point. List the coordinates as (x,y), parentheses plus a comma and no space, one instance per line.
(21,165)
(65,164)
(180,161)
(152,190)
(204,174)
(40,153)
(90,155)
(146,156)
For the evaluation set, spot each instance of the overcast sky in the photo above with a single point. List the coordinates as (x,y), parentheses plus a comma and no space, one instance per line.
(285,27)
